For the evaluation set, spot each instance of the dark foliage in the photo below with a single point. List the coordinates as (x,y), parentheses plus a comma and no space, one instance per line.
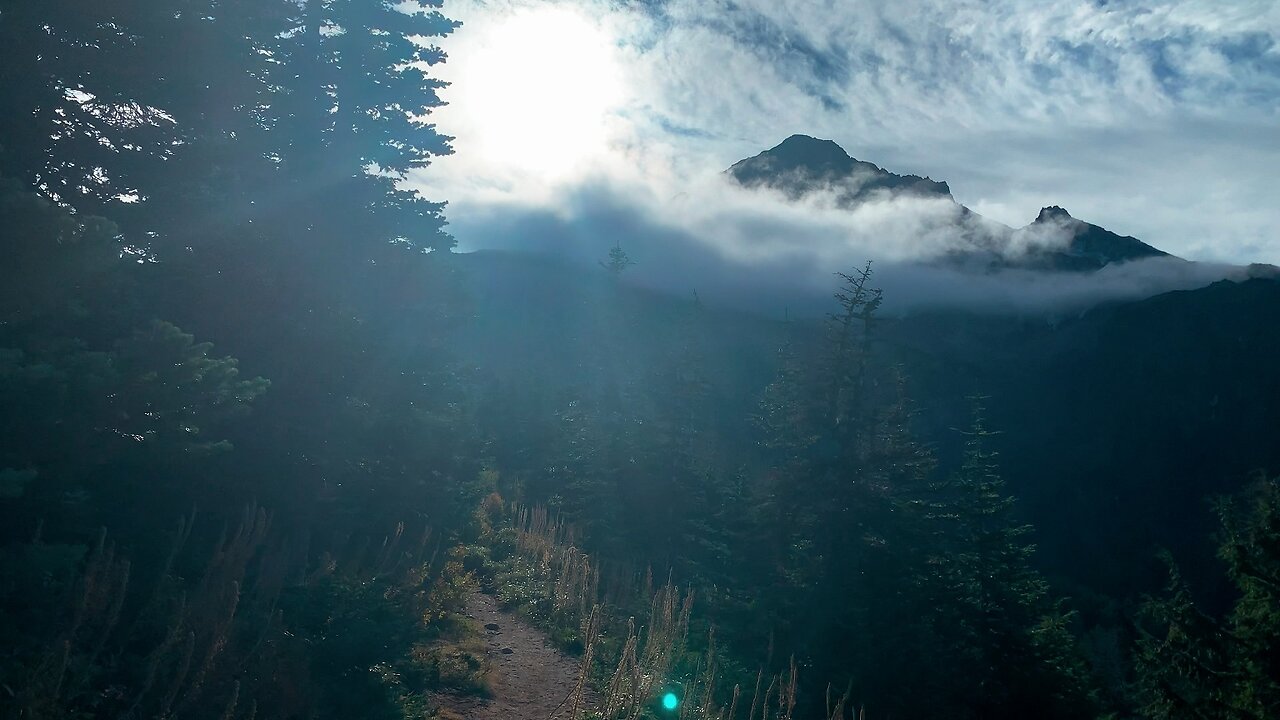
(1192,664)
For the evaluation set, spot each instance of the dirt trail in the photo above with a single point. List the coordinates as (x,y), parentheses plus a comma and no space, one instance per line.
(531,679)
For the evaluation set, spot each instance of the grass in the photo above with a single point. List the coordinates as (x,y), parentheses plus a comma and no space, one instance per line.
(636,646)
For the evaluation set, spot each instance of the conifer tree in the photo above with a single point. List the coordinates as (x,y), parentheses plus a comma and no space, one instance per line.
(127,109)
(834,455)
(1192,665)
(849,355)
(788,434)
(695,513)
(1181,671)
(1003,641)
(354,104)
(618,262)
(1251,549)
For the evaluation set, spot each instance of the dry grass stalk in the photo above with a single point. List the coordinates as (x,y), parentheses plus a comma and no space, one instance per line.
(645,660)
(591,635)
(787,692)
(66,666)
(755,699)
(170,641)
(836,711)
(622,682)
(768,695)
(200,642)
(709,678)
(572,579)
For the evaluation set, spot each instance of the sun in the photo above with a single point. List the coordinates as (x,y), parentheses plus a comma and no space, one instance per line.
(534,92)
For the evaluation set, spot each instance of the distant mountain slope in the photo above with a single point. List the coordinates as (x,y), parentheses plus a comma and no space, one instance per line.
(802,164)
(1055,241)
(1088,246)
(1115,424)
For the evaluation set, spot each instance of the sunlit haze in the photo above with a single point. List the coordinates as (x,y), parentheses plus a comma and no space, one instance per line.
(533,93)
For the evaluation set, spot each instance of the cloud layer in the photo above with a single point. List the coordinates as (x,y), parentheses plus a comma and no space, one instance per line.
(759,251)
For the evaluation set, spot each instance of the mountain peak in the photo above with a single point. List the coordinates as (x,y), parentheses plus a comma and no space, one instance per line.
(810,151)
(802,140)
(801,164)
(1053,212)
(1086,246)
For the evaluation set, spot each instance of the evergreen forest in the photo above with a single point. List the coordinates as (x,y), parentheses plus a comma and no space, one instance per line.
(270,446)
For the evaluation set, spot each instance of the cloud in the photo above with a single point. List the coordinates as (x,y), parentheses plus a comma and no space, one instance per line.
(758,250)
(1153,119)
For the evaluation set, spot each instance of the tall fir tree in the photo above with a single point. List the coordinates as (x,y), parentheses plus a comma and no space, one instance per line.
(1003,643)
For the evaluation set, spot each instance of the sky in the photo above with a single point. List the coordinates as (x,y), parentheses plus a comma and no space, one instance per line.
(1159,120)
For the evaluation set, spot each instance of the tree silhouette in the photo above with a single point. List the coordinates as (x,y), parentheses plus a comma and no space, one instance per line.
(618,261)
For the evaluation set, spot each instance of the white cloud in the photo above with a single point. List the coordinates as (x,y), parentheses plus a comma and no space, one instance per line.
(1154,119)
(755,250)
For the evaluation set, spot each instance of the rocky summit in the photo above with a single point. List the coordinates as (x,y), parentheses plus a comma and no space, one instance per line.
(802,166)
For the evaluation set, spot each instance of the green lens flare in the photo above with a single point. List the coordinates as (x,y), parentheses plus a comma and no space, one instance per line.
(670,701)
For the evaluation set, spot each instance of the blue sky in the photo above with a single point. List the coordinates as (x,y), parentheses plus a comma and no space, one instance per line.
(1154,119)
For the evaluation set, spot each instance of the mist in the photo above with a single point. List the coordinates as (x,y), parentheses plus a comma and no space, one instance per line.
(760,250)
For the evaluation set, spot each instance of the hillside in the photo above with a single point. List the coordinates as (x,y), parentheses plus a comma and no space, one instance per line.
(1108,374)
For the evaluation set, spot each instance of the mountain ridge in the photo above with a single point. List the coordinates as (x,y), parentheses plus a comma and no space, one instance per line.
(1055,241)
